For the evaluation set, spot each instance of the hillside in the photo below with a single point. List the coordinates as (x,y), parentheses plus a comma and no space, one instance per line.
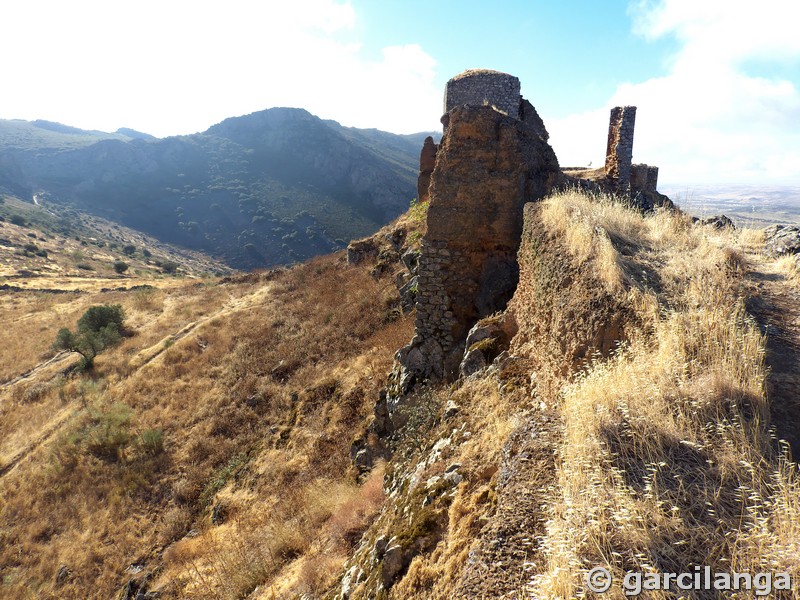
(533,383)
(209,455)
(49,246)
(270,188)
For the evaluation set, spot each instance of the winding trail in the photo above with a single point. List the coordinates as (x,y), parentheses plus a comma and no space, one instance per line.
(58,359)
(144,357)
(774,302)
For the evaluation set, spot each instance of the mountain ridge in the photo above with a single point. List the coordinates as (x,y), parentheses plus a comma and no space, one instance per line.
(273,187)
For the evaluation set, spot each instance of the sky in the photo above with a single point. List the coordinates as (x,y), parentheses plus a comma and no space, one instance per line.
(716,82)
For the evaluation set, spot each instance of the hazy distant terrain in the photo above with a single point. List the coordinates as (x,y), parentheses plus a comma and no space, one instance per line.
(273,187)
(748,205)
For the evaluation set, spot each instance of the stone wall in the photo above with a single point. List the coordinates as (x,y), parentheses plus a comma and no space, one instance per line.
(488,166)
(619,152)
(482,87)
(644,178)
(427,162)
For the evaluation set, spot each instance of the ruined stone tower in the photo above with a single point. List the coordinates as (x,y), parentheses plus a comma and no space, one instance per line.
(483,87)
(619,154)
(625,177)
(493,158)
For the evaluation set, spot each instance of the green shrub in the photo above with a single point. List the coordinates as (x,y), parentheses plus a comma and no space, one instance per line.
(99,328)
(152,441)
(120,266)
(109,434)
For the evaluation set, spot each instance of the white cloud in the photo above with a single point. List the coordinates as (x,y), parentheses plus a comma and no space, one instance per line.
(710,118)
(180,66)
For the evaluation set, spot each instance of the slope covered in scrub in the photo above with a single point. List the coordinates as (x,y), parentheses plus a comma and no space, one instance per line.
(626,426)
(228,448)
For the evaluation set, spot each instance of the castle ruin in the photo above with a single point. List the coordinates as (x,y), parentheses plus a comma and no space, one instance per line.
(624,176)
(482,87)
(493,159)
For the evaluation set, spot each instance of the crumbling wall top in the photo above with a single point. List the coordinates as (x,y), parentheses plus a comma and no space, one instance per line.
(479,87)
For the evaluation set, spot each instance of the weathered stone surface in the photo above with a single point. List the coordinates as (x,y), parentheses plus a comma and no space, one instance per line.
(486,341)
(782,239)
(718,222)
(619,152)
(557,334)
(483,87)
(427,162)
(528,113)
(408,294)
(360,250)
(473,361)
(348,582)
(488,166)
(395,560)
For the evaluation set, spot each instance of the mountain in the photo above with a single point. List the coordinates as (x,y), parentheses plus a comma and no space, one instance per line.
(269,188)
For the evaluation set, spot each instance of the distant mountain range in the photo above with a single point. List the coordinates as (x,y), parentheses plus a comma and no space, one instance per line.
(272,187)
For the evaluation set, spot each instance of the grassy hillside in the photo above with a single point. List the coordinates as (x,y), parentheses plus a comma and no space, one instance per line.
(208,455)
(50,246)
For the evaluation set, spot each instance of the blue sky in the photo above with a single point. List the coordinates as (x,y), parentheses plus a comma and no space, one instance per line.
(716,82)
(570,55)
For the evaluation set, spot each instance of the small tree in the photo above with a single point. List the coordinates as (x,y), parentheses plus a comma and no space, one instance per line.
(120,266)
(99,328)
(129,249)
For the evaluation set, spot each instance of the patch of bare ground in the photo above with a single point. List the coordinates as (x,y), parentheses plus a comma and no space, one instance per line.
(508,552)
(774,300)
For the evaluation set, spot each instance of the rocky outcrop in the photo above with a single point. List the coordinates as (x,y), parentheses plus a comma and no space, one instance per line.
(717,222)
(487,340)
(780,240)
(427,162)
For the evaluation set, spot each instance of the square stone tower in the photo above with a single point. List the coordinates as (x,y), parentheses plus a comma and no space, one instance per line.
(619,153)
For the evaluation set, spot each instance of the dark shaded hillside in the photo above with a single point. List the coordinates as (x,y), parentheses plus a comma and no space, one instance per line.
(272,187)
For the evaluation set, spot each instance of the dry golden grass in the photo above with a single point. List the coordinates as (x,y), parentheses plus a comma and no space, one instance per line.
(230,411)
(666,461)
(595,227)
(251,404)
(789,268)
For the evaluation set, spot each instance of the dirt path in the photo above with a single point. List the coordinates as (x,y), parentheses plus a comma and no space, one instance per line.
(509,553)
(775,303)
(234,304)
(44,436)
(144,357)
(59,359)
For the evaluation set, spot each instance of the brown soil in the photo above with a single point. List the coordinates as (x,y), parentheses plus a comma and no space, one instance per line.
(774,302)
(508,554)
